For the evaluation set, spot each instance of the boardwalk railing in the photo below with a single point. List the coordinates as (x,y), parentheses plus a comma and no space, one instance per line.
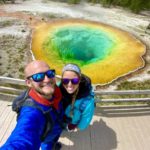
(10,88)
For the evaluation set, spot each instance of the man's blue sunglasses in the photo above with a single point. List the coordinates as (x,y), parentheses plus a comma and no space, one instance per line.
(38,77)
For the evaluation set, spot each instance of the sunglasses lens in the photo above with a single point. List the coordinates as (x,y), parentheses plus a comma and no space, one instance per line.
(75,80)
(50,73)
(38,77)
(65,81)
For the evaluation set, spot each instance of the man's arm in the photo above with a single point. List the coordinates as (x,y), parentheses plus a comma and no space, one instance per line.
(26,135)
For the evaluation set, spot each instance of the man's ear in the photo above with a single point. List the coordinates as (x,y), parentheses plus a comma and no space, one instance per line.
(28,83)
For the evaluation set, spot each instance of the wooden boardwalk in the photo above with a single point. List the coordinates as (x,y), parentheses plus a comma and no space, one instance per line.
(117,128)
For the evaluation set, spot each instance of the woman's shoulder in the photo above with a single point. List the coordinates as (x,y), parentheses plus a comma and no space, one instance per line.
(85,87)
(85,79)
(87,99)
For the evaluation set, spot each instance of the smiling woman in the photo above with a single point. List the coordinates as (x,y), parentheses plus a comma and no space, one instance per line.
(103,52)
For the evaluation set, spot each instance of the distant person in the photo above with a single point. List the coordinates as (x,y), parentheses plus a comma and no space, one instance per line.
(44,98)
(78,98)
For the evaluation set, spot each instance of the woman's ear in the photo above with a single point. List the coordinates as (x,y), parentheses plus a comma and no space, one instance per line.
(28,83)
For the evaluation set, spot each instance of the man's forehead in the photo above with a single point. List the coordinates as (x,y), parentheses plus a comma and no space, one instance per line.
(36,67)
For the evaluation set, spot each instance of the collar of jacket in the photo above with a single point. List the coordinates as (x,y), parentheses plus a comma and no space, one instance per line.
(54,102)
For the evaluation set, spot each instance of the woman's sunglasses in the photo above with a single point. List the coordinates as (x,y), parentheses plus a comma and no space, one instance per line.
(73,81)
(38,77)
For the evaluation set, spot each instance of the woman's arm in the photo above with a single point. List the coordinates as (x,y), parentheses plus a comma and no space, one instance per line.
(87,108)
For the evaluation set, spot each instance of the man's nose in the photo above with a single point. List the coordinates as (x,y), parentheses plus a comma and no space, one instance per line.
(46,78)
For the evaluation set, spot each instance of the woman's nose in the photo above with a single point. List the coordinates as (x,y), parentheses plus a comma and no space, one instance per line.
(70,83)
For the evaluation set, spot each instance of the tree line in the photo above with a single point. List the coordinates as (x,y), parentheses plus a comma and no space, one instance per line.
(134,5)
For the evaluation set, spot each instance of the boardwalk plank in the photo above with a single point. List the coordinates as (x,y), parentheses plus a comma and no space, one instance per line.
(102,135)
(2,108)
(9,126)
(5,119)
(81,140)
(106,132)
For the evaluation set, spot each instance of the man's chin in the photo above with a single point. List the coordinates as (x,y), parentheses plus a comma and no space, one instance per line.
(48,89)
(47,93)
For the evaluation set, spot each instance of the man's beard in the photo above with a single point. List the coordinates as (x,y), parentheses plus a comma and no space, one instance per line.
(47,95)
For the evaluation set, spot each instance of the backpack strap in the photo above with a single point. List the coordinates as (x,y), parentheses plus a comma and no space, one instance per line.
(48,126)
(60,121)
(18,101)
(49,122)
